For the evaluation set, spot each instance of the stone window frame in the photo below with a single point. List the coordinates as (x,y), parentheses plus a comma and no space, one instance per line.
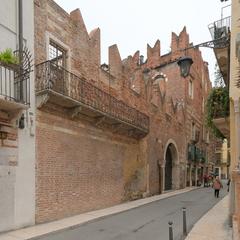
(203,105)
(50,37)
(191,88)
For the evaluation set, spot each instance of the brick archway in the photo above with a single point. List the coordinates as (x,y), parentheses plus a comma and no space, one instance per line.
(170,154)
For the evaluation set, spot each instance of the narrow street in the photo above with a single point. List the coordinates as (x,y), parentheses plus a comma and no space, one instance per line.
(149,222)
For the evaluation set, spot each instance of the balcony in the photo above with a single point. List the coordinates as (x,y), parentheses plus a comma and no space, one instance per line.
(195,154)
(56,85)
(220,31)
(218,112)
(14,90)
(221,117)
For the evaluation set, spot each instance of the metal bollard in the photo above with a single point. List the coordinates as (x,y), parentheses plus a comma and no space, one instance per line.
(170,230)
(184,222)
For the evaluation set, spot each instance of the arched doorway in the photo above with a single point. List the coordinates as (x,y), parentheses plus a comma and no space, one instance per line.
(168,169)
(171,168)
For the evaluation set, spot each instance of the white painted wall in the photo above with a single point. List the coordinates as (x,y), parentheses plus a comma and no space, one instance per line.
(17,184)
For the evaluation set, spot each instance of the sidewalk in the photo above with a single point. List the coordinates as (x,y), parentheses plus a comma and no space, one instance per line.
(43,229)
(214,224)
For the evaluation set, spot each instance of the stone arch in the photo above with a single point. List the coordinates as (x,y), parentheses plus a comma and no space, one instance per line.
(171,166)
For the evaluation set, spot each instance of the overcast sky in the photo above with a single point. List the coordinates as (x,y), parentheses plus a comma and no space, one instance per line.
(131,24)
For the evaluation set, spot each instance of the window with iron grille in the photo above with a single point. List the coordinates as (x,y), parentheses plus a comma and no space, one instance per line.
(57,54)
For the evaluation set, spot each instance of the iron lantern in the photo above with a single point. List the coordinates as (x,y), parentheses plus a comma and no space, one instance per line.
(185,64)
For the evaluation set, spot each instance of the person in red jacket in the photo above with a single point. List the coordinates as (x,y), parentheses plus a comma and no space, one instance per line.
(217,185)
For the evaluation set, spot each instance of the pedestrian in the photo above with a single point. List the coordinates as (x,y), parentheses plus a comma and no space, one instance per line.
(205,180)
(209,180)
(228,184)
(217,185)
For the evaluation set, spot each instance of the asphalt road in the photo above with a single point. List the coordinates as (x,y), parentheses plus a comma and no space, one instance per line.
(148,222)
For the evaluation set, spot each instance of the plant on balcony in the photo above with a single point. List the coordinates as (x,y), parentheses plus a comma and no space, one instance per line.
(217,106)
(218,82)
(8,59)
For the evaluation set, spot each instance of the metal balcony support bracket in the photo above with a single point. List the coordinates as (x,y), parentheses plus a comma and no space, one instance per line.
(217,43)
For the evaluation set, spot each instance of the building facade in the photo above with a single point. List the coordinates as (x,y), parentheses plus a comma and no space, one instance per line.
(17,117)
(234,112)
(228,58)
(107,133)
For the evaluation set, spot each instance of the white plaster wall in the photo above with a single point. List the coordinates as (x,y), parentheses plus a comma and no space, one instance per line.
(8,24)
(17,203)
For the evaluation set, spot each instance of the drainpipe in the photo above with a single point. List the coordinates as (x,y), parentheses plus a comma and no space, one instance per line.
(20,43)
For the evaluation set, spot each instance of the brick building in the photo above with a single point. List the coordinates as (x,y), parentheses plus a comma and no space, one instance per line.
(107,133)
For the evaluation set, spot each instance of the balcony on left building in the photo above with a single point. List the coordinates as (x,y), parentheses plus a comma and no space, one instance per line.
(14,88)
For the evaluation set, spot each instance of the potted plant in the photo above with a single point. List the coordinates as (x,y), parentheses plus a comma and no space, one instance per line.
(9,60)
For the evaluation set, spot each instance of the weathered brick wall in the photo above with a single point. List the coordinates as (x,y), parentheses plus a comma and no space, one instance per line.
(80,168)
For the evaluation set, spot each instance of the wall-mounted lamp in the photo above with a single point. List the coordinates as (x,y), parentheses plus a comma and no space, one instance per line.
(185,64)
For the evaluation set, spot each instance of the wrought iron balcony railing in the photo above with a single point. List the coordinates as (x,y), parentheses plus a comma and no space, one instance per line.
(53,78)
(195,154)
(221,28)
(14,86)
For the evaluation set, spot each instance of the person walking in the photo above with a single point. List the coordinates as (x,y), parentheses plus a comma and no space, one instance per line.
(217,185)
(205,180)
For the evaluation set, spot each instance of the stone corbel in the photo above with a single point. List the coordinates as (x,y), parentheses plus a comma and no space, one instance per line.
(116,127)
(41,100)
(99,120)
(131,132)
(75,111)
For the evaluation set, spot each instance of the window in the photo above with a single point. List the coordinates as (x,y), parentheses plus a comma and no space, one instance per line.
(57,54)
(190,89)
